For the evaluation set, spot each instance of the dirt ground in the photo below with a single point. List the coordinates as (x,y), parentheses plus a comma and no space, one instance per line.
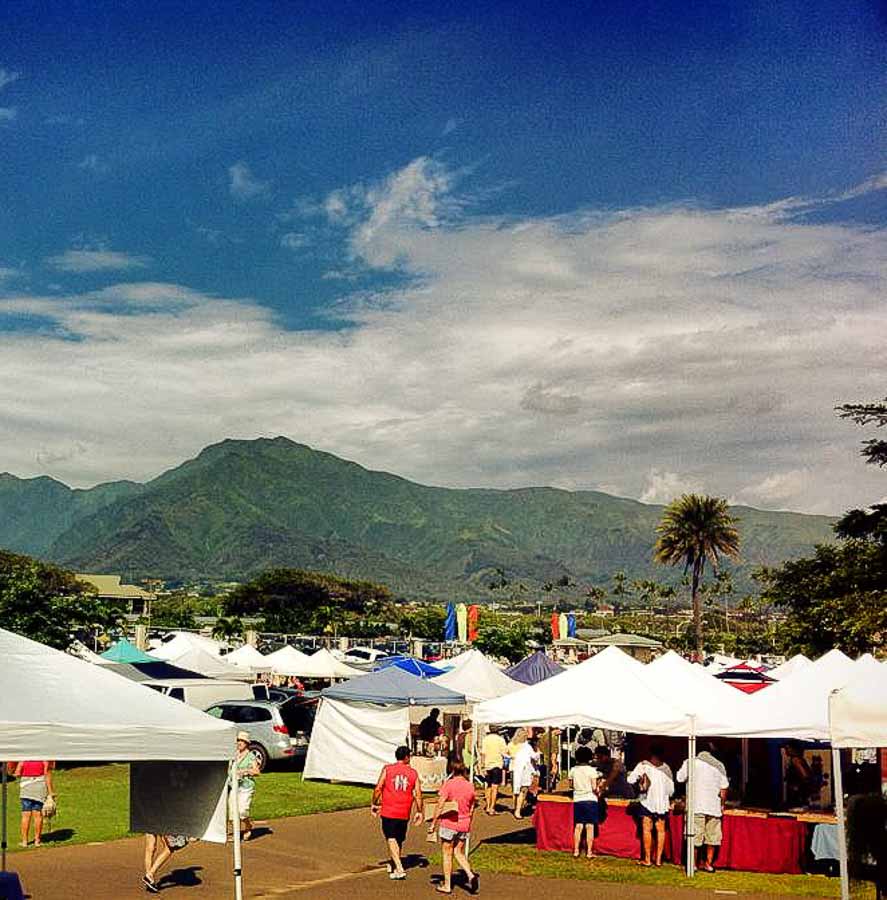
(321,856)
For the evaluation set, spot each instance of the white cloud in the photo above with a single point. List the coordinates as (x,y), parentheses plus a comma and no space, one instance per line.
(450,126)
(658,350)
(294,240)
(7,114)
(243,185)
(92,162)
(7,77)
(663,487)
(99,260)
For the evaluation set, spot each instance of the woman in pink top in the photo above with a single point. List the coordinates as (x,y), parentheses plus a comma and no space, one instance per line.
(455,808)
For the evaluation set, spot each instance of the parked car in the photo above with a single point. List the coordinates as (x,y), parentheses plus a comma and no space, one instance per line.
(363,655)
(278,731)
(200,692)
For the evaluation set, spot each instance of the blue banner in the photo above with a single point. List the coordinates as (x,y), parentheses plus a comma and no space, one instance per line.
(571,625)
(450,623)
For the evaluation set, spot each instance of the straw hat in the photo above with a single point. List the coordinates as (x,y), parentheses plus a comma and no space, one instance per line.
(243,736)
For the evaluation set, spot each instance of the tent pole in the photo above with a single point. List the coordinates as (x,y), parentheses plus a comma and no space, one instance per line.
(744,766)
(3,842)
(689,812)
(838,784)
(471,773)
(235,826)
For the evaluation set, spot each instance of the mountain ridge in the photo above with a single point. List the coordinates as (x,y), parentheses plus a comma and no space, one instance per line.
(242,505)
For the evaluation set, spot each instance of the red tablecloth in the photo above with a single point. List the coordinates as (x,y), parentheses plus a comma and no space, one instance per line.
(774,846)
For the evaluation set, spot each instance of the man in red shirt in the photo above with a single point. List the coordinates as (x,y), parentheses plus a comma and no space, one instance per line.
(393,797)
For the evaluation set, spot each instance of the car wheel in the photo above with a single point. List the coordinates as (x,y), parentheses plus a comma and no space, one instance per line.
(261,755)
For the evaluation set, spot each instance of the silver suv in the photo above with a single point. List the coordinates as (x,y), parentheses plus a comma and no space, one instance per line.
(278,731)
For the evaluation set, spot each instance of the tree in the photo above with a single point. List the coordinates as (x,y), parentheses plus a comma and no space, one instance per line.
(291,600)
(49,604)
(508,641)
(696,529)
(838,597)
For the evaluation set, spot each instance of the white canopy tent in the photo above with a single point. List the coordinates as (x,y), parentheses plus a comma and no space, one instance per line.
(185,640)
(286,661)
(196,659)
(858,718)
(478,678)
(247,657)
(322,664)
(789,667)
(55,706)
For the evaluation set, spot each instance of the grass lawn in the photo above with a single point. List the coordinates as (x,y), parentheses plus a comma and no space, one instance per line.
(526,860)
(94,802)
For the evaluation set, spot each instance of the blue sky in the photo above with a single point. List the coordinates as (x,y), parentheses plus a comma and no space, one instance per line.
(330,174)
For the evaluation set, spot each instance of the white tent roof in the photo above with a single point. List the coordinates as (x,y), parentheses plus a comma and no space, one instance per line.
(247,657)
(789,667)
(797,706)
(55,706)
(323,664)
(610,690)
(183,641)
(477,678)
(714,703)
(859,709)
(196,659)
(286,661)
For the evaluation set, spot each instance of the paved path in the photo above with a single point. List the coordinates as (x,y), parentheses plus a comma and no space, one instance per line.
(304,858)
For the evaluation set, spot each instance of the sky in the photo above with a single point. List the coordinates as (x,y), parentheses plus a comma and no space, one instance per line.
(636,248)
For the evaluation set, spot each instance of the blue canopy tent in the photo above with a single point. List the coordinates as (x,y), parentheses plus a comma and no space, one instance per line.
(125,652)
(393,687)
(411,665)
(534,668)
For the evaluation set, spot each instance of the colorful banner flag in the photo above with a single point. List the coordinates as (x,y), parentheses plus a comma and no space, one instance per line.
(555,627)
(563,625)
(462,622)
(571,625)
(450,623)
(472,623)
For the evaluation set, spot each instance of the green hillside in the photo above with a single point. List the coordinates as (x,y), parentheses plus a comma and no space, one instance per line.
(243,506)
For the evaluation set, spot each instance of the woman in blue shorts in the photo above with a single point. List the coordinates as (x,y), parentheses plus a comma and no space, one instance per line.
(586,810)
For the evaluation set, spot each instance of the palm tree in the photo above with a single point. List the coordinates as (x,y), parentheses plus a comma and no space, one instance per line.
(696,529)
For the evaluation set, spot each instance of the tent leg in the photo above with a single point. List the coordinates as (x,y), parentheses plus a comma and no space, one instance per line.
(744,766)
(689,814)
(4,835)
(838,783)
(471,774)
(235,825)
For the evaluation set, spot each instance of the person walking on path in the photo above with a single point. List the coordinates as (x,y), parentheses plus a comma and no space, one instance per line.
(35,787)
(453,815)
(710,790)
(394,795)
(586,810)
(158,849)
(523,768)
(656,783)
(492,758)
(247,767)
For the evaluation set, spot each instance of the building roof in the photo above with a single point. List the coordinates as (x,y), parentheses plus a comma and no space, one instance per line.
(110,586)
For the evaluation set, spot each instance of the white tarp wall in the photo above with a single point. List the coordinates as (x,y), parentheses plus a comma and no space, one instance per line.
(351,741)
(859,710)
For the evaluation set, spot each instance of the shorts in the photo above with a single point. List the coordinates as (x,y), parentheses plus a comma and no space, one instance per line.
(586,812)
(244,802)
(645,813)
(29,805)
(493,776)
(395,829)
(450,834)
(708,831)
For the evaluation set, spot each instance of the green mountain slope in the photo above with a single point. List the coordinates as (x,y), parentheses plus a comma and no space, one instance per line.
(242,506)
(35,511)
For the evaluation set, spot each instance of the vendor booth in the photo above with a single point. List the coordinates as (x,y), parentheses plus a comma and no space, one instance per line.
(249,659)
(57,707)
(477,678)
(361,722)
(534,668)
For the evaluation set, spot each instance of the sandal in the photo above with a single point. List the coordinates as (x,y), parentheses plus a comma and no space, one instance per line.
(442,890)
(474,883)
(150,885)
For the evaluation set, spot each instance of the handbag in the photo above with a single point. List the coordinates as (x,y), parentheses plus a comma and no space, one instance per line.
(50,806)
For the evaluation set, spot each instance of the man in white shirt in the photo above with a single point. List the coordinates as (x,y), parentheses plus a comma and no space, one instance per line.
(654,778)
(710,785)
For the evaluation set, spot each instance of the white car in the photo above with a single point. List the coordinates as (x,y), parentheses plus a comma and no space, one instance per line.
(363,655)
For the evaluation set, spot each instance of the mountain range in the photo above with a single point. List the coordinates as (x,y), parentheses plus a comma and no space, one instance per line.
(242,506)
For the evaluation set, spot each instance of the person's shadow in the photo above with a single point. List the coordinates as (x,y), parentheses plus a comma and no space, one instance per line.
(58,835)
(185,877)
(259,832)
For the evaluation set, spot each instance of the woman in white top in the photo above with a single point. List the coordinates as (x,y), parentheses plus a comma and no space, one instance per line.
(654,778)
(523,768)
(586,811)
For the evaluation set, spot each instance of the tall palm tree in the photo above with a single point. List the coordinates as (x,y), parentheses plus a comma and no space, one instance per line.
(696,529)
